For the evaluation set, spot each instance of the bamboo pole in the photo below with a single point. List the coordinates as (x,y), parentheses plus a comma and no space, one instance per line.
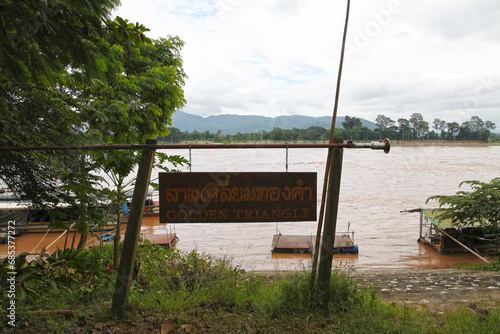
(461,244)
(327,167)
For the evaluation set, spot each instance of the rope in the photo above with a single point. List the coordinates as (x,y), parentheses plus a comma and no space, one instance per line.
(59,237)
(286,163)
(40,241)
(190,158)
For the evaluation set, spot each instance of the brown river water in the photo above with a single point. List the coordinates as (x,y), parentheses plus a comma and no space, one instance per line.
(375,188)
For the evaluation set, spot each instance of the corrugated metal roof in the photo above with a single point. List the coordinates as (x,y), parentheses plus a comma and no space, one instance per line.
(433,216)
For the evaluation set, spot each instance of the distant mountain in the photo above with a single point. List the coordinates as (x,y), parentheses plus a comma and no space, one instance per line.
(232,124)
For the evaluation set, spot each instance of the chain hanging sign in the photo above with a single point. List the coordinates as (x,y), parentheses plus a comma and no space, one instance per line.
(237,197)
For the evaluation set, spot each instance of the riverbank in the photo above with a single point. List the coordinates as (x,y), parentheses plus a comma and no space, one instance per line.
(441,143)
(191,293)
(436,290)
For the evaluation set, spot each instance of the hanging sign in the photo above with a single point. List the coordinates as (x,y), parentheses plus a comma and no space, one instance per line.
(237,197)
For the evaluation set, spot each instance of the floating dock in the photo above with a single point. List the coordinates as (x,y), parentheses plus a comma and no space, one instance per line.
(300,244)
(304,244)
(166,240)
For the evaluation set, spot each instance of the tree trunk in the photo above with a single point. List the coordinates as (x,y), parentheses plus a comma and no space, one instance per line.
(116,240)
(83,238)
(85,230)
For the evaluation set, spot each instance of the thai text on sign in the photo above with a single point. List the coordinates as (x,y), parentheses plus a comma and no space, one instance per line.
(237,197)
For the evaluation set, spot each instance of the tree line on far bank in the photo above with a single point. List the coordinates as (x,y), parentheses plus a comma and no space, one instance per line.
(414,128)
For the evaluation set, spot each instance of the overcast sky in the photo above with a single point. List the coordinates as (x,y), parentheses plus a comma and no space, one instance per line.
(281,57)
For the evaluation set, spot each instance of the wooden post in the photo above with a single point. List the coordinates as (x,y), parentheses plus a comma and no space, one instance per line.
(127,260)
(330,225)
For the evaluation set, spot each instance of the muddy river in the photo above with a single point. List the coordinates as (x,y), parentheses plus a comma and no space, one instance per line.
(375,188)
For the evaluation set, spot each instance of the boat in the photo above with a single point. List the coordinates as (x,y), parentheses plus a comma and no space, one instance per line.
(36,223)
(21,215)
(445,238)
(14,215)
(151,207)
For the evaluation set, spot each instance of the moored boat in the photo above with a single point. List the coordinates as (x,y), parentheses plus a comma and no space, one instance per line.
(444,237)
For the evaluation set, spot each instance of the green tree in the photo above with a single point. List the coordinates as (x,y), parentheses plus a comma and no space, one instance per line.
(424,126)
(174,136)
(144,87)
(453,129)
(465,131)
(350,123)
(383,122)
(404,127)
(40,41)
(277,134)
(416,120)
(70,76)
(480,129)
(476,207)
(363,133)
(477,127)
(489,127)
(439,125)
(316,133)
(117,165)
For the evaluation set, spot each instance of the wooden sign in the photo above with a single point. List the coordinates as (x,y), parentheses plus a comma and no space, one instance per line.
(237,197)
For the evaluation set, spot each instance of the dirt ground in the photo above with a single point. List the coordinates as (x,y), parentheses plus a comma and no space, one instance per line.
(435,289)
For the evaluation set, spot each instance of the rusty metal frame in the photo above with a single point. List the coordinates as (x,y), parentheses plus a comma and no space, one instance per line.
(381,145)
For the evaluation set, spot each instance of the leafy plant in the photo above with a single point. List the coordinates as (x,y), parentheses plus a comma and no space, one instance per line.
(476,207)
(69,270)
(175,269)
(161,161)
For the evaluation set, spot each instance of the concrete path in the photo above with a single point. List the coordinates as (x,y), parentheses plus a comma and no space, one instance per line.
(434,289)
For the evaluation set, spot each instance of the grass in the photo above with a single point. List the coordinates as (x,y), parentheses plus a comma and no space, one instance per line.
(188,292)
(492,266)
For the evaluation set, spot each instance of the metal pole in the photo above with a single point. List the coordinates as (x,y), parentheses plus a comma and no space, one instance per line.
(381,145)
(328,238)
(127,260)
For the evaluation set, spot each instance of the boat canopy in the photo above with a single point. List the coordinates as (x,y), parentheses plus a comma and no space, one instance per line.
(433,216)
(18,217)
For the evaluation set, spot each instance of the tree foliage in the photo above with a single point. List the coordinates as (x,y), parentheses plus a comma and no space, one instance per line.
(71,75)
(480,206)
(40,39)
(350,123)
(144,87)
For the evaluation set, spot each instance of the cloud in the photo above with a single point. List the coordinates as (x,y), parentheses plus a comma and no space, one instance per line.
(277,57)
